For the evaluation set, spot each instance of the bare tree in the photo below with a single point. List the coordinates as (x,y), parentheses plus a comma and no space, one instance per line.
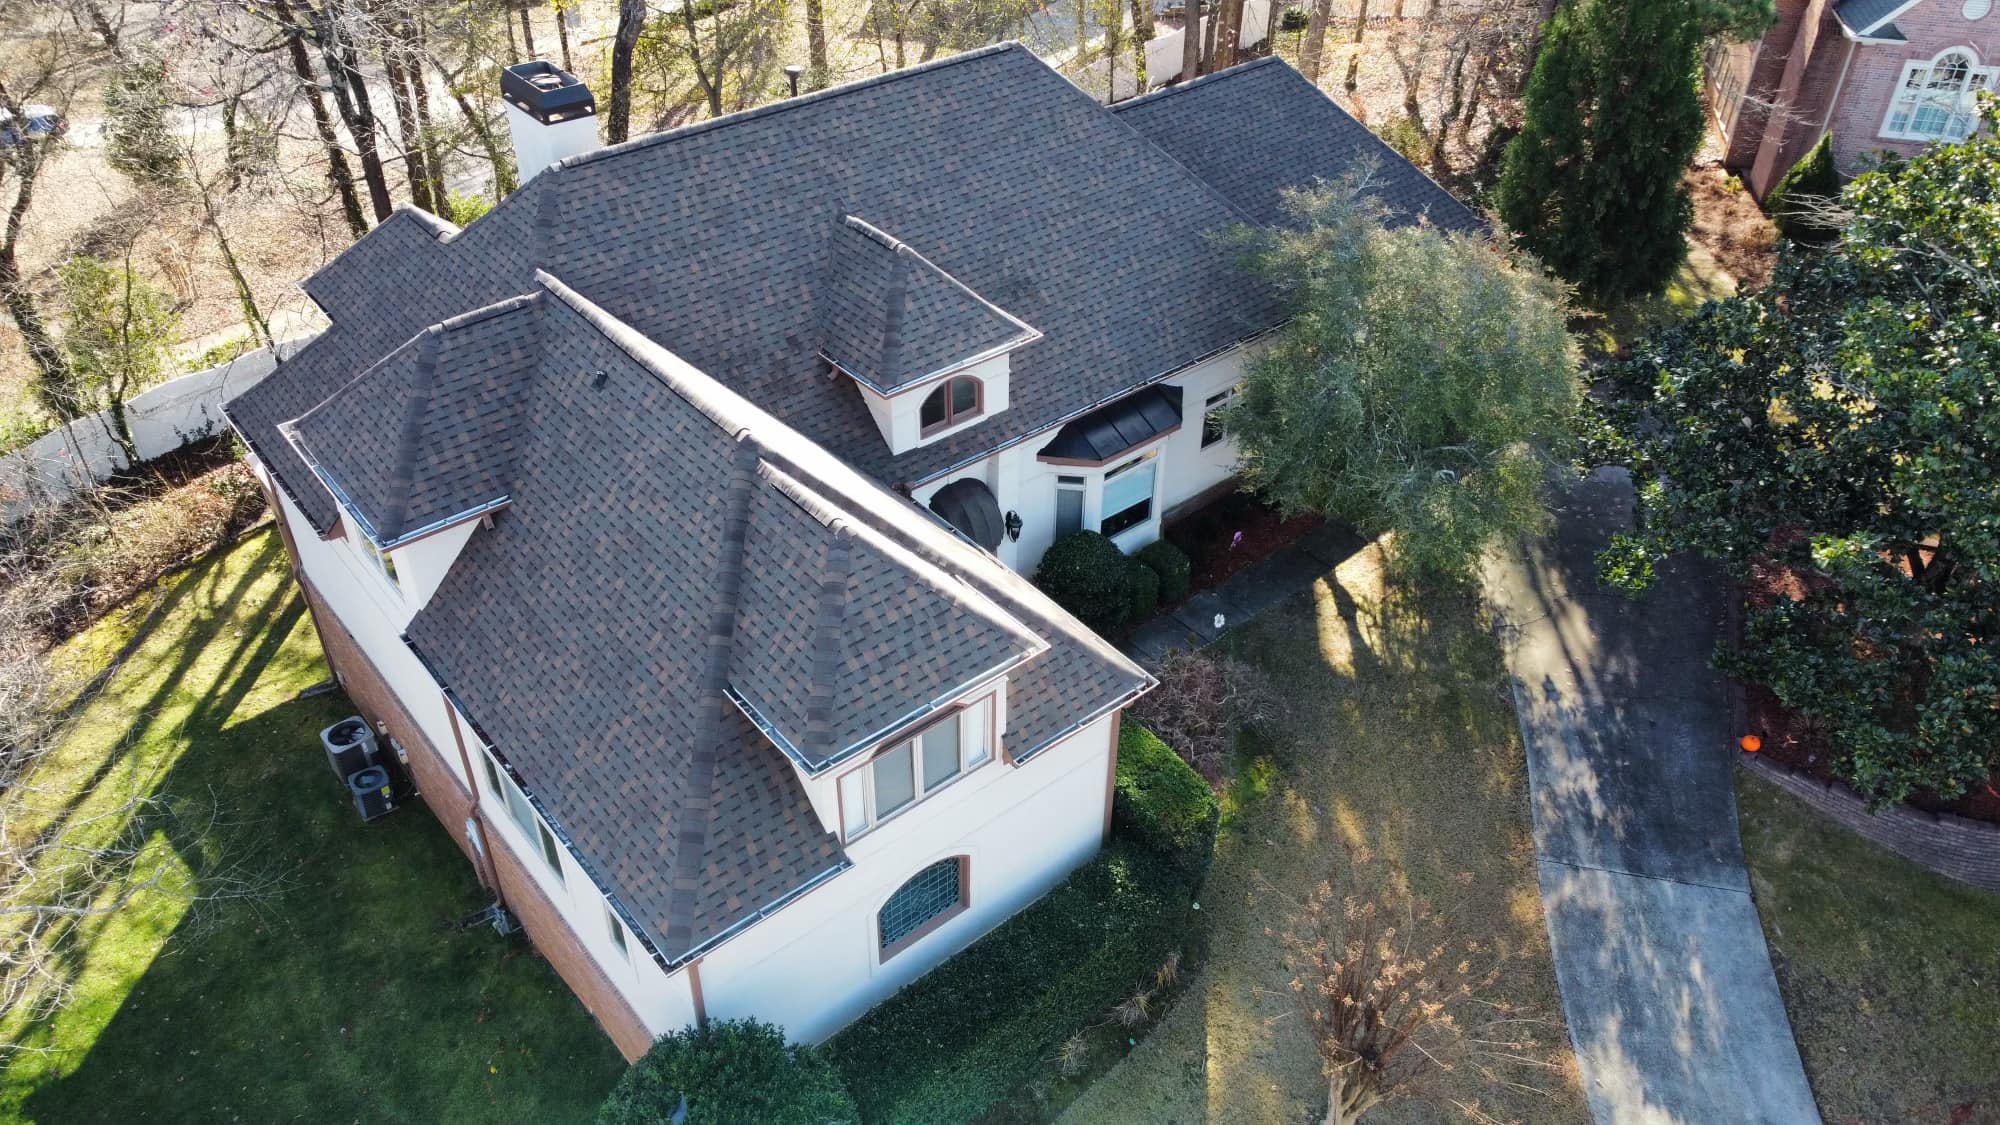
(631,24)
(1315,44)
(1190,39)
(1393,998)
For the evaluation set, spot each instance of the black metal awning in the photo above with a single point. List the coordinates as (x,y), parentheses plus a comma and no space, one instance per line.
(1108,431)
(969,506)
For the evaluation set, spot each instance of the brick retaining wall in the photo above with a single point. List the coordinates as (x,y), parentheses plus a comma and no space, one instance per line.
(1961,849)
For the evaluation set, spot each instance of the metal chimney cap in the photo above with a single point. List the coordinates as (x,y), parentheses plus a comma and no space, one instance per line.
(546,92)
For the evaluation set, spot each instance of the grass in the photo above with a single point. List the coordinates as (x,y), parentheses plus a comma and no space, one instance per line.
(1403,741)
(1610,333)
(345,994)
(1891,975)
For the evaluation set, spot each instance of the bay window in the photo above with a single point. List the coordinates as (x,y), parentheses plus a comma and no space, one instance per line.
(915,766)
(1128,495)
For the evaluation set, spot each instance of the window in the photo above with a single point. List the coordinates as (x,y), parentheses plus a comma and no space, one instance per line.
(915,767)
(1212,428)
(616,927)
(383,562)
(1128,495)
(1069,505)
(1937,100)
(523,814)
(927,901)
(954,401)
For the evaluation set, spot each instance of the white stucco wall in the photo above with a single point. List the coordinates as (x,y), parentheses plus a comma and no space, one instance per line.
(1022,483)
(812,966)
(900,416)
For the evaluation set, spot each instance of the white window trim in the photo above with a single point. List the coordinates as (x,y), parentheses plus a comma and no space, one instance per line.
(865,772)
(1220,400)
(536,833)
(1966,110)
(381,563)
(1150,456)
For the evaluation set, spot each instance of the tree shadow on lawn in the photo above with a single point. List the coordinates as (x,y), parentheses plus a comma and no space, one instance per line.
(345,991)
(1401,740)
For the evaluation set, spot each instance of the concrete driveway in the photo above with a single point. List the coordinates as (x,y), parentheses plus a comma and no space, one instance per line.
(1666,982)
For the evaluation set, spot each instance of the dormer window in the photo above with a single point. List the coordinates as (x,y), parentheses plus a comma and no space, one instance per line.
(914,766)
(958,399)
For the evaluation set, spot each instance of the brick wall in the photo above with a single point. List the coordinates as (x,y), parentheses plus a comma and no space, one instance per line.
(1769,65)
(1965,850)
(1931,26)
(451,802)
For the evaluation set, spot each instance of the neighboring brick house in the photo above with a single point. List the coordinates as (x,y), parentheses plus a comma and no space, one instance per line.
(1879,75)
(657,516)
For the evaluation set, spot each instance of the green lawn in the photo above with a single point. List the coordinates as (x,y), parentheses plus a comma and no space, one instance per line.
(344,994)
(1403,741)
(1891,974)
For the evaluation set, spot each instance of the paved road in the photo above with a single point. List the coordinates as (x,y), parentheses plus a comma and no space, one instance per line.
(1666,983)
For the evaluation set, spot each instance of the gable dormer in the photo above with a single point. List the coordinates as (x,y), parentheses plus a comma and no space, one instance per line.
(419,448)
(929,355)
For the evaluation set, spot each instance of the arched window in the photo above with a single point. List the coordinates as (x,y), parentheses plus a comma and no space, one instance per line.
(955,400)
(927,901)
(1938,100)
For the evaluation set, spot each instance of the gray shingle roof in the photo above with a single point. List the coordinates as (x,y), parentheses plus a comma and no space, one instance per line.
(1866,17)
(666,542)
(1254,130)
(892,318)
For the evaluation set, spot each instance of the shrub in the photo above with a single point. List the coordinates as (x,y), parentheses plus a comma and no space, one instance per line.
(1085,573)
(729,1071)
(1162,803)
(973,1030)
(1204,700)
(1811,183)
(1142,589)
(463,208)
(1172,564)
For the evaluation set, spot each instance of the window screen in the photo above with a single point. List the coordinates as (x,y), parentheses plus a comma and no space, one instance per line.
(895,781)
(929,893)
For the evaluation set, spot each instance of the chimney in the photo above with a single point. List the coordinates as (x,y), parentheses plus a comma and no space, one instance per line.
(550,113)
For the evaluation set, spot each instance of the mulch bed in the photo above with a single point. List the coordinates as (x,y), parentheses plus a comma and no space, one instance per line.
(1794,741)
(1231,533)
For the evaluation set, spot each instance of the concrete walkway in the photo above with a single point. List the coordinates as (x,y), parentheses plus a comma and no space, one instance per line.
(1666,982)
(1243,595)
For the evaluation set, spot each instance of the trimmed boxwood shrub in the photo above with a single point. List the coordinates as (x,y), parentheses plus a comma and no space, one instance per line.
(1172,564)
(1143,588)
(1162,803)
(730,1071)
(961,1038)
(1813,176)
(1086,574)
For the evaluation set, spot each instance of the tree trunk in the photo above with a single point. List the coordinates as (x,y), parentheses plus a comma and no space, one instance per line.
(406,132)
(1208,39)
(1354,60)
(711,85)
(427,135)
(527,31)
(350,97)
(504,182)
(1191,40)
(337,170)
(820,72)
(1142,34)
(1229,34)
(1315,44)
(562,31)
(631,21)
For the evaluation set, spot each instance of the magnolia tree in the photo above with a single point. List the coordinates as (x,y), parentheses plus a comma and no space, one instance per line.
(1839,427)
(1415,386)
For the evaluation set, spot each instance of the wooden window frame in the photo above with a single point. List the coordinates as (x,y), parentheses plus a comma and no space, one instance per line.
(913,738)
(932,924)
(951,417)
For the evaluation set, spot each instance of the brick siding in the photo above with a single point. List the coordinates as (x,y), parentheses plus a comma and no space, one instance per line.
(451,802)
(1952,846)
(1932,26)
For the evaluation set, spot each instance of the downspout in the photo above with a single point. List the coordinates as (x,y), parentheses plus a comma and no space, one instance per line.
(1833,103)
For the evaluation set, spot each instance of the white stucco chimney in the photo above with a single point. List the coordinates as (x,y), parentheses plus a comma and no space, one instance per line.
(550,113)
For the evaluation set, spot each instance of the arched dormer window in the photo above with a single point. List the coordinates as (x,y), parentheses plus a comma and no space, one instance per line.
(1938,100)
(931,898)
(958,399)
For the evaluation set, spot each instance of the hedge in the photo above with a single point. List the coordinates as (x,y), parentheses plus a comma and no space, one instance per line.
(1172,564)
(1142,591)
(1162,803)
(1813,180)
(729,1071)
(959,1040)
(1085,573)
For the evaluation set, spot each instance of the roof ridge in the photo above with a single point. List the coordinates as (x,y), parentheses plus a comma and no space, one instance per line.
(780,106)
(1199,79)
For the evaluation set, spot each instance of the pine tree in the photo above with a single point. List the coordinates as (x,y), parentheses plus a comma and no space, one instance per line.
(1593,182)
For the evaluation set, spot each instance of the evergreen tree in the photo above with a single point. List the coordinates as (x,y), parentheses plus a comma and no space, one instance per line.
(1593,183)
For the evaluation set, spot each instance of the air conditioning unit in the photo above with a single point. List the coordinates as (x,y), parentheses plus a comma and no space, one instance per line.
(373,795)
(350,746)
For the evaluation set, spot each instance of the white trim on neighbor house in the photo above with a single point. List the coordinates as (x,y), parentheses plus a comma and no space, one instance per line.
(1931,104)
